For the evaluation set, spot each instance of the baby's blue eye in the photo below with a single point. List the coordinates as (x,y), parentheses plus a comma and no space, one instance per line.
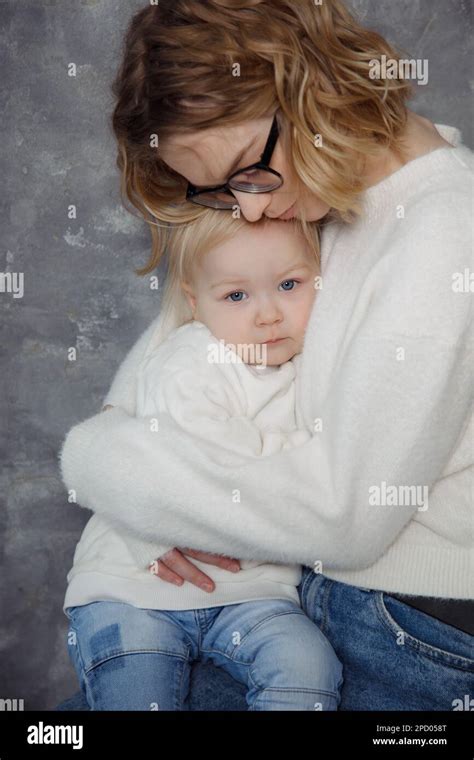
(288,282)
(235,293)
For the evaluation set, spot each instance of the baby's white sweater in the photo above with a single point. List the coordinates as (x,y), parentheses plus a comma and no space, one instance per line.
(210,392)
(386,388)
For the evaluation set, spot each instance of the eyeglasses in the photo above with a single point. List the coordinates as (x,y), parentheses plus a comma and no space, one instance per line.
(256,178)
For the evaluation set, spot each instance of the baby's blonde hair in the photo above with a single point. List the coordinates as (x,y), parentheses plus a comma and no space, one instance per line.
(186,245)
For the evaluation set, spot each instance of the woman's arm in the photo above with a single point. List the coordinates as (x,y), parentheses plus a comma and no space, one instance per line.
(286,507)
(387,421)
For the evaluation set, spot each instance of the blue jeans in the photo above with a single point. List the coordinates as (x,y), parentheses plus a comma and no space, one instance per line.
(128,658)
(394,657)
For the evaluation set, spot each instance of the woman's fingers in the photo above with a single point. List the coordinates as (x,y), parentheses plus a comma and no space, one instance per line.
(173,566)
(227,563)
(159,568)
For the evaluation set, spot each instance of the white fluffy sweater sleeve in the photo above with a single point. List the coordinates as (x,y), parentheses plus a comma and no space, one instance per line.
(386,372)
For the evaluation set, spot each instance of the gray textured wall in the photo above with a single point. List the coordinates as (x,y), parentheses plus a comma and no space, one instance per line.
(79,286)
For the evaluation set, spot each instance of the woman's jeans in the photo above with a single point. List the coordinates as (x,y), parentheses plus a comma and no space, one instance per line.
(394,657)
(128,658)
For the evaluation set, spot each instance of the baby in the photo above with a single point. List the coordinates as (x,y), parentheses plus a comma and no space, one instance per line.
(240,296)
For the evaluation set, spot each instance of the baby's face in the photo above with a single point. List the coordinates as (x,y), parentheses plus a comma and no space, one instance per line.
(257,287)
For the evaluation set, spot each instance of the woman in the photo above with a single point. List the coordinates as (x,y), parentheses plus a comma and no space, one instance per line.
(377,504)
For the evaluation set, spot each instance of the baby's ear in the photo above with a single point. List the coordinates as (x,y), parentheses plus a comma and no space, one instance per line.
(189,293)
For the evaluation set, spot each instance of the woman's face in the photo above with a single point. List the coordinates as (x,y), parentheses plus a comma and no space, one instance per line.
(207,158)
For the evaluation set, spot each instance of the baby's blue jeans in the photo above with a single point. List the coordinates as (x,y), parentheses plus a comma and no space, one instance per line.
(128,658)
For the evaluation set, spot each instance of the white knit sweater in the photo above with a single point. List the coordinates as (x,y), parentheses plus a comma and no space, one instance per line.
(386,387)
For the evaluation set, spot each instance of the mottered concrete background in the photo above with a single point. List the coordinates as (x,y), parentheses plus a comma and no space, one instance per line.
(80,289)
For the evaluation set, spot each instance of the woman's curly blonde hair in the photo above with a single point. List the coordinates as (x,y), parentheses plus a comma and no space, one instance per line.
(307,62)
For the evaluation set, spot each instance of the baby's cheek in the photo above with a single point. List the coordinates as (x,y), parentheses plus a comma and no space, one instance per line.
(303,318)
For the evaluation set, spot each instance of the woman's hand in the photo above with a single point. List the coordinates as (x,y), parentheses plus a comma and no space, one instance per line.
(173,567)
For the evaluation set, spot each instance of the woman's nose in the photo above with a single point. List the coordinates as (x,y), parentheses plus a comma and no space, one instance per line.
(252,205)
